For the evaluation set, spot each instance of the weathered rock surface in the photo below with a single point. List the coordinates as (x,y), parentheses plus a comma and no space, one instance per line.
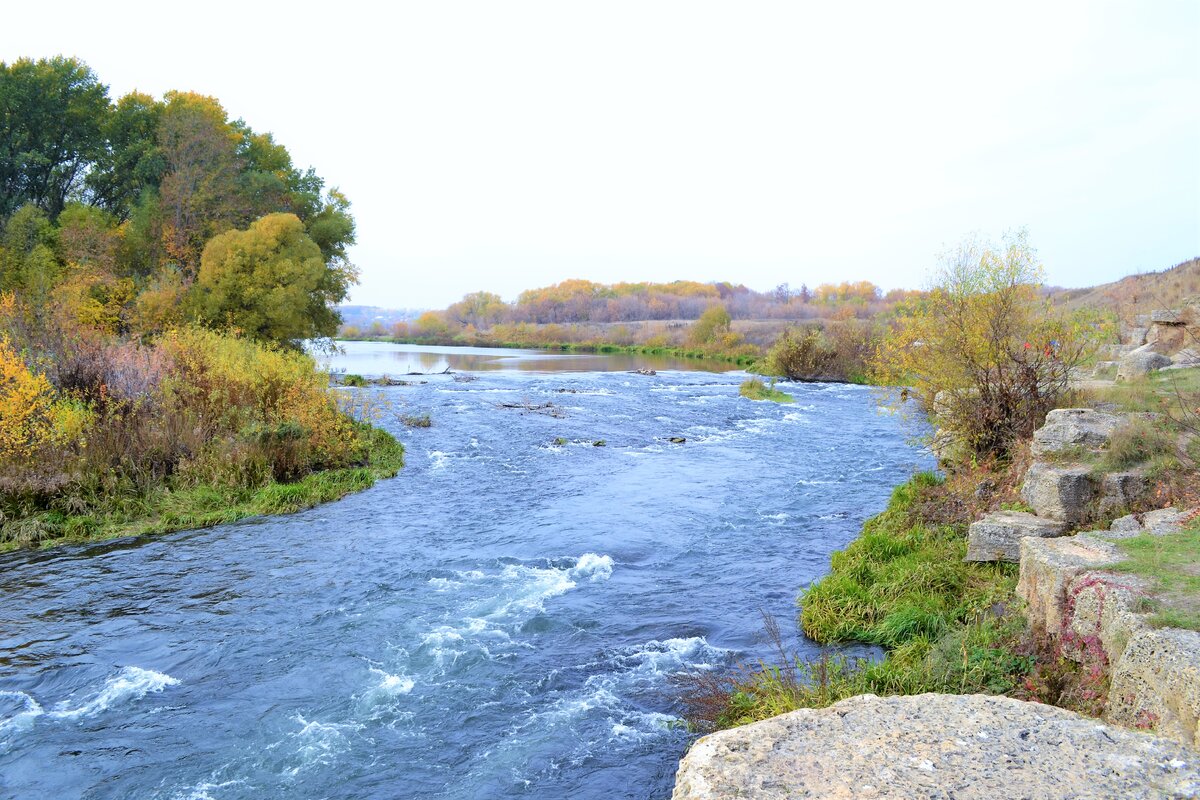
(935,746)
(1097,617)
(1120,490)
(997,537)
(1048,567)
(1061,492)
(1156,683)
(1164,520)
(1187,357)
(1074,494)
(1140,362)
(1071,428)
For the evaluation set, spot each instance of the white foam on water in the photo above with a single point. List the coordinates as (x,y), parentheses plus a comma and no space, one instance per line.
(392,685)
(22,720)
(319,743)
(594,567)
(437,459)
(131,683)
(201,791)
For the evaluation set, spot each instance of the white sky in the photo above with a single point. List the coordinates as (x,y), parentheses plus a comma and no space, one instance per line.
(509,145)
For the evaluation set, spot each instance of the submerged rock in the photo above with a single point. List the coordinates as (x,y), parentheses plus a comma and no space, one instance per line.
(935,746)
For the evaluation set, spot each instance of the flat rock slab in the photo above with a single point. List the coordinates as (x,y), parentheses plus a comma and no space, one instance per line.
(997,537)
(935,746)
(1067,428)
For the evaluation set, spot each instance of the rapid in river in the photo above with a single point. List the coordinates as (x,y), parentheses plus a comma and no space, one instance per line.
(502,619)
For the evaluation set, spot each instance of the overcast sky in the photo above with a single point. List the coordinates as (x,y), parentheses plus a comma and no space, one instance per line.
(508,145)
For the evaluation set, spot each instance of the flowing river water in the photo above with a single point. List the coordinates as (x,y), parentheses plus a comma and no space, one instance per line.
(502,619)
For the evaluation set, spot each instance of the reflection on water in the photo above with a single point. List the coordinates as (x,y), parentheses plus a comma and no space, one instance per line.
(382,358)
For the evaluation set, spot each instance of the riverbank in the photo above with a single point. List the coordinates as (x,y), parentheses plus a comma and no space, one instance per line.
(166,509)
(189,430)
(944,625)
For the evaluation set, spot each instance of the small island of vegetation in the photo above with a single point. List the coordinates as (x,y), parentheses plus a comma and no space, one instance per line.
(161,267)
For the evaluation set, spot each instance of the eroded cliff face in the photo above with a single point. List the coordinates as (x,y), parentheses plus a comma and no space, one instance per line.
(935,746)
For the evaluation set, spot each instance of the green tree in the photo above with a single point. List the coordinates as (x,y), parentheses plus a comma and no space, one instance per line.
(984,352)
(131,160)
(51,114)
(27,260)
(270,281)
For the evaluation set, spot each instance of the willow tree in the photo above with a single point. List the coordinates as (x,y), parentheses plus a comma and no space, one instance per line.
(984,352)
(271,282)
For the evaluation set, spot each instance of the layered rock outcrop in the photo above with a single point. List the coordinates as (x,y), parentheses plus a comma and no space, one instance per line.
(1089,613)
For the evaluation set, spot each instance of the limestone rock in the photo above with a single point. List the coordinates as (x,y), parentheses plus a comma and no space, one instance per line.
(1103,368)
(1121,490)
(1128,524)
(1068,428)
(1140,362)
(1156,682)
(935,746)
(1165,520)
(997,537)
(1048,566)
(1059,492)
(1187,357)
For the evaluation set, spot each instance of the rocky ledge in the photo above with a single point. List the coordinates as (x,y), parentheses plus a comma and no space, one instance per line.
(935,746)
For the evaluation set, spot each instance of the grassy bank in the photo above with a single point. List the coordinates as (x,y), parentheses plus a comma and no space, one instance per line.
(945,625)
(741,359)
(167,508)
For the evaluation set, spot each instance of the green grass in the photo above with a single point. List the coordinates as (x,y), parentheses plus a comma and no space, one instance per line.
(165,509)
(1171,564)
(945,625)
(755,389)
(1159,391)
(354,380)
(740,359)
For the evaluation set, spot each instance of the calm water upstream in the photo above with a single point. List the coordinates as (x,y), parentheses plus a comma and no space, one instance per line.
(500,620)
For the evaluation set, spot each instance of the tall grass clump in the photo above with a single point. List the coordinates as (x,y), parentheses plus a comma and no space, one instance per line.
(944,625)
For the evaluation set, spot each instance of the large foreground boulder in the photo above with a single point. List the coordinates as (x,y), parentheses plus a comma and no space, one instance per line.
(997,537)
(935,746)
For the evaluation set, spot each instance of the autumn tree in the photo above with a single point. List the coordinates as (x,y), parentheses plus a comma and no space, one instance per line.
(270,281)
(713,323)
(198,194)
(984,352)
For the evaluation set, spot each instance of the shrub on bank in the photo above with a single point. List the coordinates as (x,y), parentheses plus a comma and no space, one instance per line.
(215,431)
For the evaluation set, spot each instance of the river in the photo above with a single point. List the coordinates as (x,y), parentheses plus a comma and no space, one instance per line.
(499,620)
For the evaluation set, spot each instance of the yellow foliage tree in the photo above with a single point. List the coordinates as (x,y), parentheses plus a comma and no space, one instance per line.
(27,407)
(984,352)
